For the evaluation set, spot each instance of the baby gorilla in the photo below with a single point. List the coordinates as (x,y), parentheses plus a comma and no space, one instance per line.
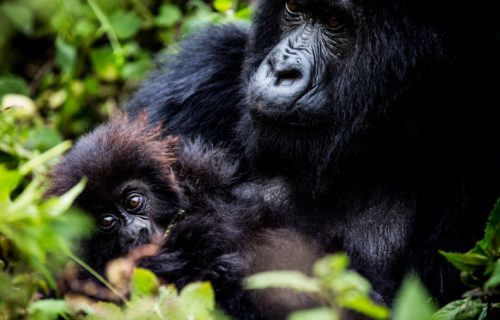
(139,180)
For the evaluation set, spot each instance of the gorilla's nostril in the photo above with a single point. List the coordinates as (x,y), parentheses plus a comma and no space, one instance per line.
(287,77)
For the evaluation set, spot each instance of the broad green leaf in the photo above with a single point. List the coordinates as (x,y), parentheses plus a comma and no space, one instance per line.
(65,56)
(282,279)
(143,283)
(13,84)
(223,5)
(412,302)
(136,70)
(20,16)
(104,63)
(331,265)
(314,314)
(467,262)
(363,304)
(494,281)
(48,309)
(465,309)
(198,299)
(10,179)
(244,14)
(43,138)
(349,281)
(125,24)
(106,310)
(169,15)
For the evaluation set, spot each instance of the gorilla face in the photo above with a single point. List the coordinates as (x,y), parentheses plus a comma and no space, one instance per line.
(287,89)
(320,72)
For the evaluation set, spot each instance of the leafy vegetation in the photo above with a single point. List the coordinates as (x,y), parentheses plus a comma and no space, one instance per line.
(66,65)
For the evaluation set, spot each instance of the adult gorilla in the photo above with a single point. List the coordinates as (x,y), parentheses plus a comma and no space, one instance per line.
(377,111)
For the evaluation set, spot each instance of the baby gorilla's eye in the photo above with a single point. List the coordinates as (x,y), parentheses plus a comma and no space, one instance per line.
(107,222)
(292,7)
(134,201)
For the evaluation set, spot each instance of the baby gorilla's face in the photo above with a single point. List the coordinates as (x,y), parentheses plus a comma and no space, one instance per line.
(131,216)
(131,191)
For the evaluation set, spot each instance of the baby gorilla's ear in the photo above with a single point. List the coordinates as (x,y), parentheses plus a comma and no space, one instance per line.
(282,249)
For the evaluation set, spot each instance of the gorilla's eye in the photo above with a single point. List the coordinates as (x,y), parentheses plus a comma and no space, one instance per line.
(134,201)
(107,222)
(292,7)
(335,23)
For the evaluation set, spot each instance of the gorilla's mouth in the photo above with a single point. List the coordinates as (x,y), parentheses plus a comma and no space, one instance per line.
(291,118)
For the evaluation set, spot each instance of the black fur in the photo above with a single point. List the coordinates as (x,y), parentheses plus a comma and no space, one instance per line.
(222,236)
(399,157)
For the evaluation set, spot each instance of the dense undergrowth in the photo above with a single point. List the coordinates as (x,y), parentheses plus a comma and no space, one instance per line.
(66,65)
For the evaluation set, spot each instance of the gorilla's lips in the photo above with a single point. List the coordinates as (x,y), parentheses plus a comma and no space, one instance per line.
(307,112)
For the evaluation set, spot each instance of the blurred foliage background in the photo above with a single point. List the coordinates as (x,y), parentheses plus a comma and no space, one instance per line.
(75,61)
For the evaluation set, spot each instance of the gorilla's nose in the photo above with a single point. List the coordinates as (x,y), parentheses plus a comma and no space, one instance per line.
(287,76)
(281,79)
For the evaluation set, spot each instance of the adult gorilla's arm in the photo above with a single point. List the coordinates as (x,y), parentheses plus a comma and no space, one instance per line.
(197,91)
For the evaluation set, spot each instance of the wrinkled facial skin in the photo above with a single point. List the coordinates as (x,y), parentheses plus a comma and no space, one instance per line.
(287,87)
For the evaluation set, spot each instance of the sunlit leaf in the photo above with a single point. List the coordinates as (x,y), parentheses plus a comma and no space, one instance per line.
(48,309)
(412,302)
(314,314)
(198,299)
(223,5)
(143,283)
(282,279)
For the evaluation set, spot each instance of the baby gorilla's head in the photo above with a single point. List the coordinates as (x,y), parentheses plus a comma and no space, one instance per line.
(131,190)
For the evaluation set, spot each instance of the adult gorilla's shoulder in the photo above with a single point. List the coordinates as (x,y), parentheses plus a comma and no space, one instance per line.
(197,92)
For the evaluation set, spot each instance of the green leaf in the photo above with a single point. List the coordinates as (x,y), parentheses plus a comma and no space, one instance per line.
(143,283)
(468,262)
(10,179)
(125,24)
(412,302)
(13,84)
(20,16)
(198,298)
(65,56)
(136,70)
(314,314)
(491,240)
(282,279)
(363,304)
(465,309)
(59,205)
(169,16)
(331,265)
(44,157)
(48,309)
(349,281)
(43,138)
(223,5)
(494,281)
(104,63)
